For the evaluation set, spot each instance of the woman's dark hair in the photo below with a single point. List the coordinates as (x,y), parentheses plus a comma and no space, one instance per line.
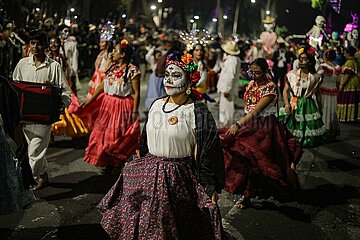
(128,50)
(351,50)
(264,66)
(330,55)
(310,54)
(262,63)
(203,53)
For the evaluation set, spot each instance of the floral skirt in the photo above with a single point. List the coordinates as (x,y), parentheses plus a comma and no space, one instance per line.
(159,198)
(259,156)
(306,124)
(114,137)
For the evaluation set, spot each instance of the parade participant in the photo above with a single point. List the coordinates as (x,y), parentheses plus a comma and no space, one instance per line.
(349,90)
(70,124)
(102,60)
(172,190)
(39,68)
(329,92)
(259,150)
(304,107)
(116,131)
(70,52)
(15,172)
(198,54)
(155,88)
(227,86)
(317,33)
(14,196)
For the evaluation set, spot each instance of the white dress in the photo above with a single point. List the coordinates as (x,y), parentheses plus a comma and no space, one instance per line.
(171,140)
(329,94)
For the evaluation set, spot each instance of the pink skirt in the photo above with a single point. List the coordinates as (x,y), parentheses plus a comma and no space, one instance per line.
(114,137)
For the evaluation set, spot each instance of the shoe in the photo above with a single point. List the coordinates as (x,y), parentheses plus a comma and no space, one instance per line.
(42,182)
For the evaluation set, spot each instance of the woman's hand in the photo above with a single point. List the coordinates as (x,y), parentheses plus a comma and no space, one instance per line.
(134,116)
(214,198)
(287,109)
(84,104)
(232,130)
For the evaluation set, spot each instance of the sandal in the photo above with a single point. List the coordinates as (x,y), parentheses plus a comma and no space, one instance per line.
(245,203)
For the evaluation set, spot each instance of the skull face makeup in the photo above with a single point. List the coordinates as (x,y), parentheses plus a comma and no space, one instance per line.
(174,80)
(64,34)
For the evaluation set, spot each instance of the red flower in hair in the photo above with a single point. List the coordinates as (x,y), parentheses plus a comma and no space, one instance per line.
(195,76)
(311,51)
(124,43)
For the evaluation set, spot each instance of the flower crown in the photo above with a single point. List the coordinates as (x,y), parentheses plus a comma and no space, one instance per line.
(310,51)
(186,63)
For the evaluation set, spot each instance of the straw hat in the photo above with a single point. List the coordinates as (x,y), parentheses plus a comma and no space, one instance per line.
(231,48)
(92,27)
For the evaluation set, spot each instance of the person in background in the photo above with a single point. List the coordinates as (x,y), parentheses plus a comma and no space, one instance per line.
(329,92)
(116,132)
(348,106)
(304,107)
(227,86)
(39,68)
(260,153)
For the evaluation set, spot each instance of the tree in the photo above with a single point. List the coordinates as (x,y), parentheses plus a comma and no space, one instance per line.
(319,4)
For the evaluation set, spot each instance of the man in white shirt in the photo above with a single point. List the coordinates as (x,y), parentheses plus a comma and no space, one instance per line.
(39,68)
(227,86)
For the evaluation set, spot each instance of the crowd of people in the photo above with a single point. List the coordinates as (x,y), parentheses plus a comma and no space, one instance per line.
(172,172)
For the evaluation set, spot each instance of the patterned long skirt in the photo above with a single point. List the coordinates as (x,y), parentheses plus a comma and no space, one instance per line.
(159,198)
(306,124)
(348,106)
(114,138)
(258,158)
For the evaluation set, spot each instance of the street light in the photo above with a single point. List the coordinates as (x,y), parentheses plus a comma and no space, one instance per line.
(196,17)
(214,20)
(37,9)
(160,1)
(153,7)
(267,12)
(192,20)
(123,16)
(253,1)
(225,17)
(72,9)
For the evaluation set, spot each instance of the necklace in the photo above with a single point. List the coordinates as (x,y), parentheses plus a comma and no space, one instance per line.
(167,100)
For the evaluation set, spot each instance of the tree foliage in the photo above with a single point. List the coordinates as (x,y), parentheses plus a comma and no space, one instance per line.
(318,4)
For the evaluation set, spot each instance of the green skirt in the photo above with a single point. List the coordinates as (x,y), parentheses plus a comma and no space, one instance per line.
(306,124)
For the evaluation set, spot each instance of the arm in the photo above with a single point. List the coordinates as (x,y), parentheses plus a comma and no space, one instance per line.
(344,81)
(98,91)
(260,106)
(286,92)
(136,87)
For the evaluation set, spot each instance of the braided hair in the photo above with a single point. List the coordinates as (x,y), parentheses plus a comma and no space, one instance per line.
(128,50)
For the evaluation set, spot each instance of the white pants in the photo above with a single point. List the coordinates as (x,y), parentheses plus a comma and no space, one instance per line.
(37,137)
(226,110)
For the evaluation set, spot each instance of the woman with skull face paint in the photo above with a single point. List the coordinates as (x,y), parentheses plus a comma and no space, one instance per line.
(304,107)
(260,153)
(116,131)
(170,192)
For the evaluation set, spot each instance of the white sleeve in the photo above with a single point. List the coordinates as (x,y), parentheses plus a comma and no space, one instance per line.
(17,72)
(59,77)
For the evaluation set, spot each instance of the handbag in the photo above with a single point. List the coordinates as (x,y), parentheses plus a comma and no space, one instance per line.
(39,102)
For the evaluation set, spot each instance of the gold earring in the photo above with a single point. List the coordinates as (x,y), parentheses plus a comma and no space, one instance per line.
(188,91)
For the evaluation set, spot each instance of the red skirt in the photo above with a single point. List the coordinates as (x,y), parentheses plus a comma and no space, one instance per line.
(114,138)
(261,150)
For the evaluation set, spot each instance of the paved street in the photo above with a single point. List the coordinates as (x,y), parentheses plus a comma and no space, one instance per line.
(327,209)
